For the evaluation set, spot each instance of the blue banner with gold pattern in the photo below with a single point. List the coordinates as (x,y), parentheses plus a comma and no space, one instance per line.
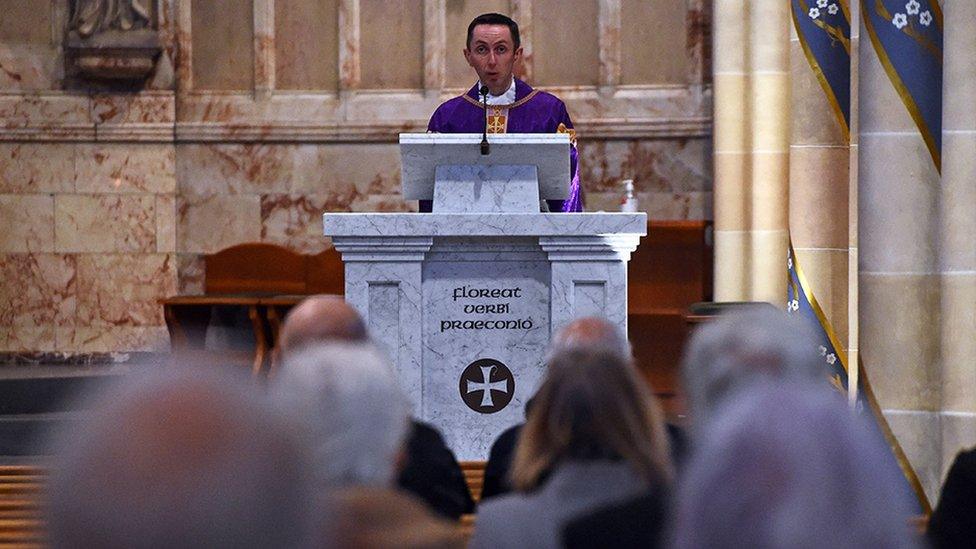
(801,301)
(907,36)
(824,29)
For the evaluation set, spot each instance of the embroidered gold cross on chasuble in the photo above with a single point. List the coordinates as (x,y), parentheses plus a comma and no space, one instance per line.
(497,119)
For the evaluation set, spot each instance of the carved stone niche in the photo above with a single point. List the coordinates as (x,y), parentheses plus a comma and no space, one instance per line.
(113,39)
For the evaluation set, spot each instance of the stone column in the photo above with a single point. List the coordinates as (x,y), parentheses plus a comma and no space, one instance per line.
(957,239)
(751,149)
(898,287)
(819,183)
(853,306)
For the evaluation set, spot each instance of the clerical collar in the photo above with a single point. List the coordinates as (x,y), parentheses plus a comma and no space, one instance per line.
(506,98)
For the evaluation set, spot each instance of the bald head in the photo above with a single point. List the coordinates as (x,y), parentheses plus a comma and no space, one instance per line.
(321,319)
(591,334)
(180,458)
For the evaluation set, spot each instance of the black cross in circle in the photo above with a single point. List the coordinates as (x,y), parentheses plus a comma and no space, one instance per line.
(486,386)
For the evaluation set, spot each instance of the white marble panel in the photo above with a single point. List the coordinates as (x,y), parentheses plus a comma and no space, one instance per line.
(589,297)
(587,289)
(480,189)
(589,274)
(511,301)
(383,282)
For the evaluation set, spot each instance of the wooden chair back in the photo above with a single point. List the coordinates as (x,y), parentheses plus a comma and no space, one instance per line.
(256,268)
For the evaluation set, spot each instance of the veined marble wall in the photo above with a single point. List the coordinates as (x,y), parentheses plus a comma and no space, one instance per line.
(283,109)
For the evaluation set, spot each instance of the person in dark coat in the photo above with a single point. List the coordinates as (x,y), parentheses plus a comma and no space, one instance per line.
(639,522)
(953,522)
(432,473)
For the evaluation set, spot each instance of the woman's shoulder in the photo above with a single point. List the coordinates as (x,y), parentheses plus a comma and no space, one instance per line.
(509,506)
(511,520)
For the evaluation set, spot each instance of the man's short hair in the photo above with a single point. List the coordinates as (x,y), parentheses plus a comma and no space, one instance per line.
(495,19)
(591,333)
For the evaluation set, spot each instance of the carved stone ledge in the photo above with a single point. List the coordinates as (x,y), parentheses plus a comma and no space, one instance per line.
(115,55)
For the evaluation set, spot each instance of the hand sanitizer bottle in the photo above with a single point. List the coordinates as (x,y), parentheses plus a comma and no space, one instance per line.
(629,203)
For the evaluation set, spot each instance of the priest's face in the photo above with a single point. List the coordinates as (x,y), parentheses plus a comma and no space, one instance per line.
(492,55)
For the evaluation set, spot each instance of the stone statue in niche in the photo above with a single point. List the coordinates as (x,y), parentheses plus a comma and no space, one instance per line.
(113,40)
(93,16)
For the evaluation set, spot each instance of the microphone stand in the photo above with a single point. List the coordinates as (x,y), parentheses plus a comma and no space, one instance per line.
(484,136)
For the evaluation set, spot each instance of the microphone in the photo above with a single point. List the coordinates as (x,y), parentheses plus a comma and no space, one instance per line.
(484,136)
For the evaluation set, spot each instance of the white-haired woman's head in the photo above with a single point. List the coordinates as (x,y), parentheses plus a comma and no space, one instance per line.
(740,348)
(356,416)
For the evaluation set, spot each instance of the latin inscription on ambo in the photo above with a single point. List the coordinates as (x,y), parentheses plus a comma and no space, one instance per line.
(462,296)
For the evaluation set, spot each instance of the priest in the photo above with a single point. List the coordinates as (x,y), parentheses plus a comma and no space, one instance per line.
(492,49)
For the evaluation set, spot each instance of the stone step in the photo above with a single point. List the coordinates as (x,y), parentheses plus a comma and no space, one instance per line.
(26,434)
(31,389)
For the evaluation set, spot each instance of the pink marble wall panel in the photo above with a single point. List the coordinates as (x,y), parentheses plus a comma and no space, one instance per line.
(136,108)
(26,22)
(29,339)
(26,223)
(672,178)
(122,289)
(165,224)
(89,339)
(37,289)
(223,44)
(105,223)
(211,223)
(383,203)
(383,25)
(37,167)
(190,270)
(125,168)
(648,29)
(566,48)
(654,165)
(28,68)
(28,60)
(366,168)
(214,169)
(295,221)
(62,111)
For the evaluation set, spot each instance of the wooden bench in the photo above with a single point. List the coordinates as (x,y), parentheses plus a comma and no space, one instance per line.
(264,280)
(21,519)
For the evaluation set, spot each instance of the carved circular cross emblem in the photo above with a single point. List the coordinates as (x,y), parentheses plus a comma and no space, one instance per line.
(487,386)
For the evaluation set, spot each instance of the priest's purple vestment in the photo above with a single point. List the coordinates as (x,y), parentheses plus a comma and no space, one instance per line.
(534,111)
